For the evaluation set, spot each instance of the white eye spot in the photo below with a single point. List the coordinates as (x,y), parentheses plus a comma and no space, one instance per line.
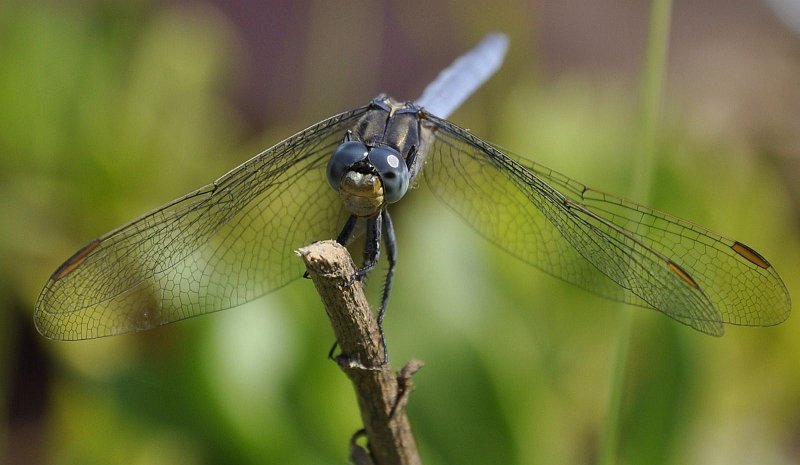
(393,161)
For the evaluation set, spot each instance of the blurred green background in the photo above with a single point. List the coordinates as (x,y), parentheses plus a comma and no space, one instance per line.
(111,108)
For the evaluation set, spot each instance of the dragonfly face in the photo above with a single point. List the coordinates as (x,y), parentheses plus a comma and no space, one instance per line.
(231,241)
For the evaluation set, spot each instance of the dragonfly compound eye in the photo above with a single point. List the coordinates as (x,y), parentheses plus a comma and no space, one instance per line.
(393,172)
(345,156)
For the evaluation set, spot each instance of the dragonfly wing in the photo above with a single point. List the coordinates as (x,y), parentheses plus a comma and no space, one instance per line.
(218,247)
(605,244)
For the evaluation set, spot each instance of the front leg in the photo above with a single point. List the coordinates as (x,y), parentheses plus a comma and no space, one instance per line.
(372,247)
(391,253)
(347,231)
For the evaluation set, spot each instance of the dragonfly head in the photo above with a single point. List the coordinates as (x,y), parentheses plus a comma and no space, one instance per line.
(367,178)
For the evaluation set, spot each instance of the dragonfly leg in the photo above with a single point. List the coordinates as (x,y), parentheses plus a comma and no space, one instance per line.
(372,248)
(390,240)
(347,230)
(391,254)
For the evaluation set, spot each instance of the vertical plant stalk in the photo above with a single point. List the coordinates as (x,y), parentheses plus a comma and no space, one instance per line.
(644,158)
(382,395)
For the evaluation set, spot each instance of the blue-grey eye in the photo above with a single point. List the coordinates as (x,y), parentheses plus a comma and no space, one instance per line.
(393,172)
(345,156)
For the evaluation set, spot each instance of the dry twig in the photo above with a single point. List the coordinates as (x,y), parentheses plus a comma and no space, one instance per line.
(382,395)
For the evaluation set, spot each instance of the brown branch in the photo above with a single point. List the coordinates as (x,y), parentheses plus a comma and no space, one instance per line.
(382,395)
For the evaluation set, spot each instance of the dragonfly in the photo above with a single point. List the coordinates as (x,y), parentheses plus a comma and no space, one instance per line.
(232,241)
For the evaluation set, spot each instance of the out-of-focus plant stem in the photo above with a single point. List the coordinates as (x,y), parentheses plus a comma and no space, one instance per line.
(651,93)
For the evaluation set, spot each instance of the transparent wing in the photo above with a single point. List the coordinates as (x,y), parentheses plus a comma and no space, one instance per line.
(605,244)
(215,248)
(463,77)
